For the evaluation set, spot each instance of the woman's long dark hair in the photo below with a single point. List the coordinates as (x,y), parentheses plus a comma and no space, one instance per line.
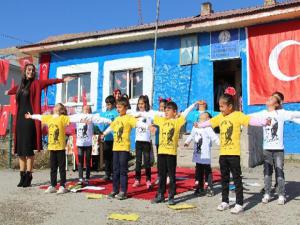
(25,84)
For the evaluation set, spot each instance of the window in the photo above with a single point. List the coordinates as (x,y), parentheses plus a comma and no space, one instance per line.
(74,91)
(128,81)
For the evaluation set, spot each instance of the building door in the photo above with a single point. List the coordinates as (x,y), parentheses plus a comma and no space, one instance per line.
(227,73)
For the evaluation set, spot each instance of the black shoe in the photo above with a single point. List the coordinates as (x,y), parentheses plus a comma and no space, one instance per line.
(199,192)
(262,191)
(28,179)
(121,196)
(112,195)
(158,199)
(22,179)
(171,201)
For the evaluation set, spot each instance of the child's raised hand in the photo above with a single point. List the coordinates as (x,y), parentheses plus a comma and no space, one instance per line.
(196,125)
(28,115)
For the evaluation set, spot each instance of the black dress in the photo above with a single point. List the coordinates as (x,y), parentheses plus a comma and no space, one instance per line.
(26,133)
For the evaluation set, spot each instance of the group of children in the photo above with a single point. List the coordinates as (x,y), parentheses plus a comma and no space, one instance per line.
(118,121)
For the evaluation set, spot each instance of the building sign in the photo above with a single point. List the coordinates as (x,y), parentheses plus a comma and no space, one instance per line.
(224,44)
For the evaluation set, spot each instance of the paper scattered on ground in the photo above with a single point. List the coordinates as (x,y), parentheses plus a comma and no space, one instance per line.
(127,217)
(93,188)
(252,184)
(94,196)
(181,206)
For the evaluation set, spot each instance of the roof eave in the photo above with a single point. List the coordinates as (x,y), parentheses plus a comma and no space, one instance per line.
(180,29)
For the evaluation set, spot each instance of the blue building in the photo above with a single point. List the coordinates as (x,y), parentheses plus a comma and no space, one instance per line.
(196,58)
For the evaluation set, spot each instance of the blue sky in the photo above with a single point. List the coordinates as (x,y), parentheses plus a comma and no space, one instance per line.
(35,20)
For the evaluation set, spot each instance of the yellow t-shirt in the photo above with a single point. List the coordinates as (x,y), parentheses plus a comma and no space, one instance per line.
(56,131)
(168,134)
(230,131)
(122,126)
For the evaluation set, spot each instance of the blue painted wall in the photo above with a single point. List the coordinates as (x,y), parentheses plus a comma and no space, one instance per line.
(171,79)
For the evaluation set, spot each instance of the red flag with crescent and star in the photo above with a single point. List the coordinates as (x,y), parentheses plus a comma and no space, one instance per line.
(4,116)
(24,61)
(274,61)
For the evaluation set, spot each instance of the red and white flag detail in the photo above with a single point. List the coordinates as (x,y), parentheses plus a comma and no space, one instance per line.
(24,61)
(274,61)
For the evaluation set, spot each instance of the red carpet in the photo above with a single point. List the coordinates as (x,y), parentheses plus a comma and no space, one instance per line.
(185,181)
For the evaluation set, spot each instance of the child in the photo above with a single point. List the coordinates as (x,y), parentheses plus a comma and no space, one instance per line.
(143,143)
(193,116)
(84,138)
(110,113)
(203,138)
(169,126)
(273,144)
(230,122)
(56,143)
(121,127)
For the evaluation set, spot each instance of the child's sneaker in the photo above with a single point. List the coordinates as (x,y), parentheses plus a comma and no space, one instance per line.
(136,183)
(171,201)
(112,195)
(121,196)
(196,183)
(158,199)
(199,192)
(223,206)
(168,180)
(281,200)
(107,178)
(62,190)
(148,184)
(266,198)
(237,209)
(50,190)
(210,192)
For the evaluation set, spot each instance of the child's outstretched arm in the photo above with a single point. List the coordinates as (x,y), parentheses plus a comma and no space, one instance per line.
(33,116)
(96,118)
(259,122)
(190,137)
(204,124)
(188,110)
(106,132)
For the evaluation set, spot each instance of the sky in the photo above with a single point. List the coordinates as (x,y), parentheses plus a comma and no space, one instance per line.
(30,21)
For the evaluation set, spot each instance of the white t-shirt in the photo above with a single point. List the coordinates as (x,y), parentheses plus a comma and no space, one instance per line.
(273,134)
(85,131)
(203,138)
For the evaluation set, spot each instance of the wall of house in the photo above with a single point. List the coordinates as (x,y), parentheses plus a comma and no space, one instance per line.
(184,84)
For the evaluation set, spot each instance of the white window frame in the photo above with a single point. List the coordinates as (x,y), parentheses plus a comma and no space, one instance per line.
(143,63)
(93,69)
(128,73)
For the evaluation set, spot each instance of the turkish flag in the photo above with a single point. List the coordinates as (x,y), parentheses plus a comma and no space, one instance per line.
(4,68)
(24,61)
(4,116)
(274,61)
(12,100)
(44,66)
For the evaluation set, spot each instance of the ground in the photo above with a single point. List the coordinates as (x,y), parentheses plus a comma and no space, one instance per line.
(33,206)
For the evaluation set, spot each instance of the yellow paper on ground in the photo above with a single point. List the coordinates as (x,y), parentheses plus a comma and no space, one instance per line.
(181,206)
(127,217)
(94,196)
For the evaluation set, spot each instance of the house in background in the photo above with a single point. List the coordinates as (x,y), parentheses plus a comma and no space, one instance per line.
(196,58)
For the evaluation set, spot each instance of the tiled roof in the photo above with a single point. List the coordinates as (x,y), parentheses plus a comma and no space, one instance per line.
(165,24)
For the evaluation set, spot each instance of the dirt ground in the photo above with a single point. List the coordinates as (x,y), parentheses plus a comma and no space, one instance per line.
(33,206)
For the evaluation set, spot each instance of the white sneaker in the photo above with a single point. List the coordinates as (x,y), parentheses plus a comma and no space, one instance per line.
(237,209)
(50,189)
(223,206)
(266,198)
(281,200)
(62,190)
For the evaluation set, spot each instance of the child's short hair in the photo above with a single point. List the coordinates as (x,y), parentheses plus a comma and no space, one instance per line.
(279,95)
(110,99)
(209,115)
(123,101)
(145,99)
(62,109)
(171,105)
